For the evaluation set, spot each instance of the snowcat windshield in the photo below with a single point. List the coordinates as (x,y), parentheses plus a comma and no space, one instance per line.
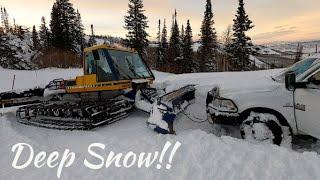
(129,65)
(298,68)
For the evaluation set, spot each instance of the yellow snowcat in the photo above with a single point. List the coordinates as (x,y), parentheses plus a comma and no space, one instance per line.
(116,80)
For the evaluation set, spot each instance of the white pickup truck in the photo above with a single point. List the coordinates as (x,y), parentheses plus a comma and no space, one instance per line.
(274,108)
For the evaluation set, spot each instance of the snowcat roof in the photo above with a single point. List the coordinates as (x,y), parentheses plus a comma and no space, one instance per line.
(105,46)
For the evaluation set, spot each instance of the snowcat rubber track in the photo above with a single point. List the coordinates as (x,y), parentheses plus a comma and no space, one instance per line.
(74,116)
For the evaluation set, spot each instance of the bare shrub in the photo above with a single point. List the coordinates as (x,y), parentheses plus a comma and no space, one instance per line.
(54,57)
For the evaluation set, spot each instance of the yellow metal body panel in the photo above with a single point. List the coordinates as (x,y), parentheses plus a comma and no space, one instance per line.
(86,80)
(88,83)
(107,86)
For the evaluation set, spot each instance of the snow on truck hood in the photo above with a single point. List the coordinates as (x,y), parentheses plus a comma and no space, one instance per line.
(228,82)
(248,85)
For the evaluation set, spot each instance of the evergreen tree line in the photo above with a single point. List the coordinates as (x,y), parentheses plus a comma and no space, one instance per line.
(64,31)
(7,28)
(13,47)
(176,53)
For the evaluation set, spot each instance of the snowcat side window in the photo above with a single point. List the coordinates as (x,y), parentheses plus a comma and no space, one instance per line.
(104,73)
(90,64)
(96,55)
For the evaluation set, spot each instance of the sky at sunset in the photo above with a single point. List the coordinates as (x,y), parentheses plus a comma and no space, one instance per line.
(274,20)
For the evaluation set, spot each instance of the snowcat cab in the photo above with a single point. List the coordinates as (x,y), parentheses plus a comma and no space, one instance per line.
(110,69)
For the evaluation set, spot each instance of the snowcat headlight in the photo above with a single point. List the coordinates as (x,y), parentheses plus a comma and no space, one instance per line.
(224,105)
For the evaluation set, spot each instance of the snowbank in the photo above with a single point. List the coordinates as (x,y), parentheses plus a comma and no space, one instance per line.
(202,155)
(31,79)
(40,78)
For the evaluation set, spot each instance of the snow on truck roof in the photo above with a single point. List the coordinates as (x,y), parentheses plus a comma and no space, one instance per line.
(110,47)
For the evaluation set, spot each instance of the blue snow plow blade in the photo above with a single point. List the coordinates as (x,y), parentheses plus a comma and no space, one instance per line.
(168,106)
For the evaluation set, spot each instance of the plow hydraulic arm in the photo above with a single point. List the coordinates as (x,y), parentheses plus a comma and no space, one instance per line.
(167,107)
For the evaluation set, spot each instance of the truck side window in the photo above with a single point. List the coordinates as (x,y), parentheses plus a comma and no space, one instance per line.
(316,78)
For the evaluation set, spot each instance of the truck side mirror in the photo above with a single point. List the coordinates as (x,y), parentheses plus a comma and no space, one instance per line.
(291,81)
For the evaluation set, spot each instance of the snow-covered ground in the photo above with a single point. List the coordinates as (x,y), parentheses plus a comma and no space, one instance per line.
(30,79)
(202,155)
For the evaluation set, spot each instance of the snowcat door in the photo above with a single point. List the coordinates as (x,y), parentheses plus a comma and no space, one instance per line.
(96,63)
(307,103)
(90,66)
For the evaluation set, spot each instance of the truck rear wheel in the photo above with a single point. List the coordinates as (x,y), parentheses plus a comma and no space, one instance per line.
(266,128)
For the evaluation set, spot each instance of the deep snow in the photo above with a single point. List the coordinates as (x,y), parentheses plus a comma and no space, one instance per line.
(203,155)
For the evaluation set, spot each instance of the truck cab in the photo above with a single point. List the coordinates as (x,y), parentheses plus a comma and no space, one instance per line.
(273,108)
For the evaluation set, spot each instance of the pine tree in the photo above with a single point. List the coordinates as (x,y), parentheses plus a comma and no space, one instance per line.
(182,33)
(208,48)
(160,49)
(174,50)
(14,26)
(5,20)
(159,31)
(44,34)
(35,38)
(164,36)
(136,24)
(299,53)
(79,31)
(63,26)
(164,45)
(2,18)
(187,49)
(241,44)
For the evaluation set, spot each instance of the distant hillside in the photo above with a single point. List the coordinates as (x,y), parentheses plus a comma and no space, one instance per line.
(309,47)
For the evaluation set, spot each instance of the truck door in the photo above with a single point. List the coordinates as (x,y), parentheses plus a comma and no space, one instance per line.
(307,107)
